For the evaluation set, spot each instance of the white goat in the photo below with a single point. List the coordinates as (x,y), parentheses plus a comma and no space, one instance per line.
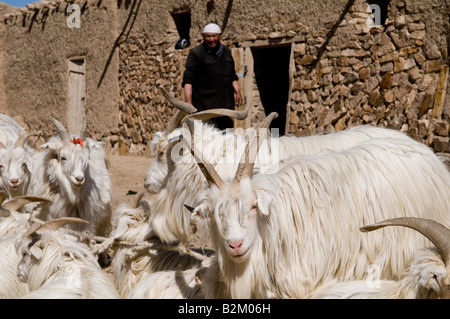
(73,174)
(12,225)
(287,233)
(133,265)
(15,156)
(56,265)
(16,165)
(183,181)
(169,284)
(428,277)
(10,285)
(11,221)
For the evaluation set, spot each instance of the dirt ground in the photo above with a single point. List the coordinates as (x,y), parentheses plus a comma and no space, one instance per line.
(127,174)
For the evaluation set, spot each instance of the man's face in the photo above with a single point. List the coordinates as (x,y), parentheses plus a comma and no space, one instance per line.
(211,39)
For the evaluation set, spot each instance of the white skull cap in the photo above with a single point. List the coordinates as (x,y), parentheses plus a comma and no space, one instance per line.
(212,28)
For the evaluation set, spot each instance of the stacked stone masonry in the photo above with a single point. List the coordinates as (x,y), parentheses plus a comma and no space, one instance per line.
(387,76)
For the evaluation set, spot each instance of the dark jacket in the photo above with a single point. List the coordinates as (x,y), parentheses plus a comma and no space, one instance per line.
(211,76)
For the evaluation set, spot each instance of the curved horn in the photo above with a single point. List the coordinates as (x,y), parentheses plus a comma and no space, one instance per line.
(61,129)
(137,199)
(437,233)
(175,121)
(245,167)
(17,202)
(31,230)
(183,109)
(207,169)
(56,224)
(170,162)
(183,106)
(21,140)
(209,114)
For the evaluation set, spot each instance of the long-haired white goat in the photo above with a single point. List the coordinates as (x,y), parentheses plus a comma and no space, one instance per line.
(56,265)
(10,285)
(12,225)
(73,174)
(428,277)
(16,165)
(284,234)
(169,284)
(180,182)
(133,264)
(15,156)
(156,175)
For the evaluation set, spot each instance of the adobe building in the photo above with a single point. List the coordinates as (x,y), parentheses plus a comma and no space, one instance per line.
(322,65)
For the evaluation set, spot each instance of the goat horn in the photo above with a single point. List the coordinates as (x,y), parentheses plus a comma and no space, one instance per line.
(61,129)
(170,162)
(3,195)
(245,167)
(53,225)
(209,114)
(189,208)
(175,121)
(21,140)
(207,169)
(17,202)
(137,199)
(183,106)
(31,230)
(437,233)
(183,109)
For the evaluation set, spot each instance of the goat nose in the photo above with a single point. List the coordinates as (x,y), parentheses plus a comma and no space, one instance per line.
(235,244)
(14,180)
(79,179)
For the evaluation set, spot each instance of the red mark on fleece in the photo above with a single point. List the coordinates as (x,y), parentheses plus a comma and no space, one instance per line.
(77,141)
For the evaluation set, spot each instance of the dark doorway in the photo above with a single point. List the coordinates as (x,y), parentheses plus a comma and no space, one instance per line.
(183,23)
(271,65)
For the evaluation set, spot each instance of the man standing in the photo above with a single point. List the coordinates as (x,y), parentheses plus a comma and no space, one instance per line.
(210,80)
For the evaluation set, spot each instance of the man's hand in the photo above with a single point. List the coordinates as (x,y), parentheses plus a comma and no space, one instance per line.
(188,93)
(237,92)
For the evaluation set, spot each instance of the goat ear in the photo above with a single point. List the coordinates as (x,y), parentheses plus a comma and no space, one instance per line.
(263,202)
(29,164)
(36,252)
(201,211)
(53,145)
(121,228)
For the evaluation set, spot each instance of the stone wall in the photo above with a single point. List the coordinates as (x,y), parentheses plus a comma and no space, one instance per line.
(343,73)
(391,76)
(142,108)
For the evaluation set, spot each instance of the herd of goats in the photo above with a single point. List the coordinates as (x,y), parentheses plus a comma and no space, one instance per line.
(292,217)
